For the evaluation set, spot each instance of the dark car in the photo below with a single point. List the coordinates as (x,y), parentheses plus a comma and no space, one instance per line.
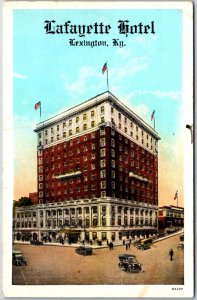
(38,243)
(18,259)
(129,263)
(84,250)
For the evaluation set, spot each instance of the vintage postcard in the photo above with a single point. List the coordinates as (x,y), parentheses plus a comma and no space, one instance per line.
(98,149)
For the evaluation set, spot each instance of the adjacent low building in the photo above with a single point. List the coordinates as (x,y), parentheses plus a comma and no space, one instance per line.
(170,216)
(97,173)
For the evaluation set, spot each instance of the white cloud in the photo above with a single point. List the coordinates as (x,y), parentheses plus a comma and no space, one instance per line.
(132,67)
(174,95)
(80,86)
(19,76)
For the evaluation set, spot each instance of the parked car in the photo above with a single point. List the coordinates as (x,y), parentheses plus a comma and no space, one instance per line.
(18,259)
(145,244)
(38,243)
(129,263)
(84,250)
(181,245)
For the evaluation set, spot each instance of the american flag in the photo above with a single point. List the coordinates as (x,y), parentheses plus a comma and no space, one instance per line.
(104,69)
(176,195)
(153,115)
(37,105)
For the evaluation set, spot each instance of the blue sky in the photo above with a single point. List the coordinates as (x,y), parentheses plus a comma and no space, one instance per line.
(146,75)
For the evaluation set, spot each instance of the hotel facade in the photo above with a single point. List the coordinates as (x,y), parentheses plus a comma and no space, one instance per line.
(97,175)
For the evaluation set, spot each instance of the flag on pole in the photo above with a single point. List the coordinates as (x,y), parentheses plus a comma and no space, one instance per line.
(153,115)
(104,69)
(37,105)
(176,195)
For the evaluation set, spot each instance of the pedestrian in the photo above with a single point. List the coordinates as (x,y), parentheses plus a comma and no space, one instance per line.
(107,242)
(126,246)
(123,242)
(112,245)
(171,254)
(129,244)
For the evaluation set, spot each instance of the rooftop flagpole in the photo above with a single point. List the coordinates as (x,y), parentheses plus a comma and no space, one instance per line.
(105,69)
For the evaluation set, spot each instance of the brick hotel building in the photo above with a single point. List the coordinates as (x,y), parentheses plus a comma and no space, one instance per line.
(97,173)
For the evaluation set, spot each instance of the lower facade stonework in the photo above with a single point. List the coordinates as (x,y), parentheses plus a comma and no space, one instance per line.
(91,220)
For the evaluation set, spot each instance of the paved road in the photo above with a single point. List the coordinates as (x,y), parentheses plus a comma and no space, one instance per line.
(56,265)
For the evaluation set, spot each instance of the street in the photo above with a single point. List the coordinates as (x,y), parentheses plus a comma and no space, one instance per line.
(59,265)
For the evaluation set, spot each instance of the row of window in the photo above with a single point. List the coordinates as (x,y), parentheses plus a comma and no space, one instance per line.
(88,222)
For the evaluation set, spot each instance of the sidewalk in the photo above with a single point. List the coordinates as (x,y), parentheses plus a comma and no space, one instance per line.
(95,246)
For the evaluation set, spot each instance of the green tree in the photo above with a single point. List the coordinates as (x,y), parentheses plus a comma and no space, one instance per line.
(23,201)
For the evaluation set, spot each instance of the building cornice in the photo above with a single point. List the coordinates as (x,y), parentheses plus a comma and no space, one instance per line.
(97,100)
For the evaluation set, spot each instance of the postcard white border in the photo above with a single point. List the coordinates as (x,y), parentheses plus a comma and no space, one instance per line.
(155,291)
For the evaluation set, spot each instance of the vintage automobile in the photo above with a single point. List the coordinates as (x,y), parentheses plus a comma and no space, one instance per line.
(129,263)
(181,245)
(18,259)
(84,250)
(145,244)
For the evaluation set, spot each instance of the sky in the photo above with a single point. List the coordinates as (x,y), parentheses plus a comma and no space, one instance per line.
(146,75)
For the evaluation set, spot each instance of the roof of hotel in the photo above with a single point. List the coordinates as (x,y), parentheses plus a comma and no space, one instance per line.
(98,99)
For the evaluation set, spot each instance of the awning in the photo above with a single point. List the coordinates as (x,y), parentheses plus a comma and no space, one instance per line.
(131,174)
(68,175)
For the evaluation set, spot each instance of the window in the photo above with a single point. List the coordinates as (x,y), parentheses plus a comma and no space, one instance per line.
(112,174)
(113,185)
(77,119)
(84,126)
(40,169)
(125,129)
(102,152)
(52,139)
(46,141)
(93,156)
(113,163)
(93,186)
(84,116)
(102,109)
(58,137)
(102,120)
(92,113)
(93,135)
(40,177)
(112,153)
(119,125)
(92,124)
(93,166)
(102,142)
(52,131)
(102,131)
(64,134)
(112,132)
(64,125)
(103,194)
(46,132)
(136,128)
(103,174)
(58,127)
(112,142)
(102,163)
(119,116)
(93,146)
(103,185)
(112,110)
(77,129)
(125,120)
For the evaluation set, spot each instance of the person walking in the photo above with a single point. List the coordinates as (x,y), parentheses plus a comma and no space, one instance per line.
(171,254)
(126,246)
(129,245)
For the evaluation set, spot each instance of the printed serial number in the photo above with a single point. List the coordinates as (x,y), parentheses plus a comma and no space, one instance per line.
(177,289)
